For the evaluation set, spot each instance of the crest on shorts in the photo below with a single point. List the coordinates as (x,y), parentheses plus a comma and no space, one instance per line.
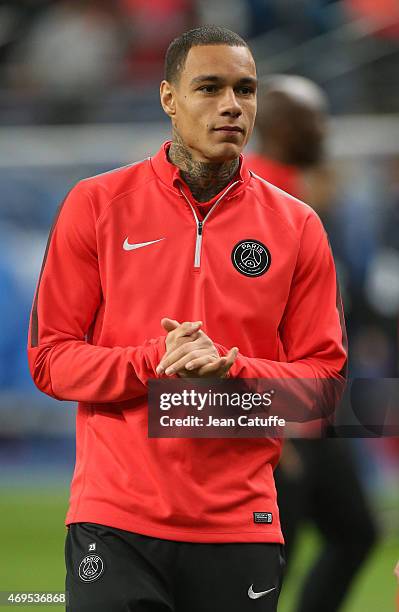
(251,257)
(91,568)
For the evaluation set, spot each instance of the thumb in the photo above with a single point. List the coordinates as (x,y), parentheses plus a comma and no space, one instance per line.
(169,324)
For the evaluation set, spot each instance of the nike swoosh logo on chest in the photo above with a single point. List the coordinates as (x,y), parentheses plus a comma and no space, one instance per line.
(130,247)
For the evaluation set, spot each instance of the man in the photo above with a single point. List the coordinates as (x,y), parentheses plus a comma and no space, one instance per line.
(291,128)
(316,479)
(179,524)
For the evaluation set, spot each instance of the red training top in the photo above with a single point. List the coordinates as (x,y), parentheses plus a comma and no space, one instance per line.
(283,176)
(95,337)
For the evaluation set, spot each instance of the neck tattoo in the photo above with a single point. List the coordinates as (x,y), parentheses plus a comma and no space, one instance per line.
(204,180)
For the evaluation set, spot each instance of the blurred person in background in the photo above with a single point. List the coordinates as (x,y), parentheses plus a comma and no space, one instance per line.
(169,236)
(290,132)
(72,62)
(381,283)
(233,14)
(72,52)
(15,20)
(152,25)
(316,480)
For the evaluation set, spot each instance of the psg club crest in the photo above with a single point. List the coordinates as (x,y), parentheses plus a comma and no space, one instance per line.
(91,568)
(251,257)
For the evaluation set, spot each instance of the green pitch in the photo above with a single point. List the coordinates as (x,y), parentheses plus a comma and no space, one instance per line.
(374,589)
(32,536)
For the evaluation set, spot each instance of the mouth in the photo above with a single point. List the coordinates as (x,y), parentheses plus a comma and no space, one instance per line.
(229,129)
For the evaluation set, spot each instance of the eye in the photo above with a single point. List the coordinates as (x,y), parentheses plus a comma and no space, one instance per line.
(208,88)
(246,90)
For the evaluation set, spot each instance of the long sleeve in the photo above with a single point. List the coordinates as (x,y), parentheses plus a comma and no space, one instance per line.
(62,362)
(312,330)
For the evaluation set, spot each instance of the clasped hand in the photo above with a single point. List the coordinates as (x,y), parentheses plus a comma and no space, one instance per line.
(191,353)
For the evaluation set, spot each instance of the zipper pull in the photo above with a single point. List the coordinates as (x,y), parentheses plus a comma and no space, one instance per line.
(200,223)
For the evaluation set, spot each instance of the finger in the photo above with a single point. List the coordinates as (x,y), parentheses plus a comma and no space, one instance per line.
(187,328)
(181,363)
(184,339)
(180,348)
(212,369)
(169,324)
(221,367)
(172,356)
(184,329)
(229,360)
(231,357)
(200,361)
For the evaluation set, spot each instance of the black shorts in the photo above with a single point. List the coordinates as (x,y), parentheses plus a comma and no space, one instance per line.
(112,570)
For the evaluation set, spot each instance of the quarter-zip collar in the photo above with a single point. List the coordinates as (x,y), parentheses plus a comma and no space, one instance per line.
(169,174)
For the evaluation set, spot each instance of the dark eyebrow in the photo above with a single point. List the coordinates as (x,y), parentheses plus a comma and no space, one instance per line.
(211,78)
(248,81)
(206,77)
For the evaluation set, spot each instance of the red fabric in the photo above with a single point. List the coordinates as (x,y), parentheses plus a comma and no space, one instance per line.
(383,15)
(287,178)
(95,337)
(160,7)
(154,25)
(203,208)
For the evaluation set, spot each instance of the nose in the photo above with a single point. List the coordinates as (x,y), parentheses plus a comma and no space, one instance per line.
(229,105)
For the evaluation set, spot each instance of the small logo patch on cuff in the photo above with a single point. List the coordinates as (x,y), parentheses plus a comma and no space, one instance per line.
(263,517)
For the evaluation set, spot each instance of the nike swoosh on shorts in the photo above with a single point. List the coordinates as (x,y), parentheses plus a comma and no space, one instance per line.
(253,595)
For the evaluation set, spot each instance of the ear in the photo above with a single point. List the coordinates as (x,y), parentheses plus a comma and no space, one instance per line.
(168,98)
